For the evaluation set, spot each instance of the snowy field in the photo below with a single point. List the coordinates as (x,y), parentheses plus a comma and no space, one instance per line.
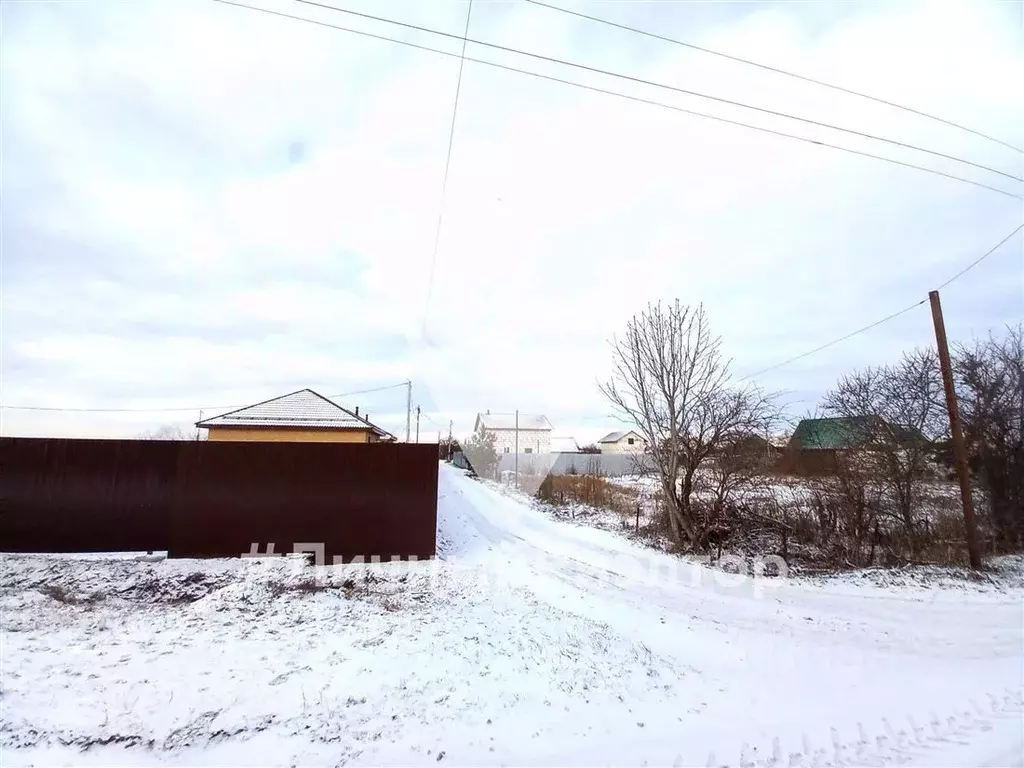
(529,642)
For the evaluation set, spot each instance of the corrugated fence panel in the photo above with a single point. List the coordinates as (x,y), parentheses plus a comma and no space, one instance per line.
(85,495)
(605,464)
(356,500)
(213,499)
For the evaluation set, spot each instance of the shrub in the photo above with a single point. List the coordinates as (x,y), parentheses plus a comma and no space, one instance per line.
(591,490)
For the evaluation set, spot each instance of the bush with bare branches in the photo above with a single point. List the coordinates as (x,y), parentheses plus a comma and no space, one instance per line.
(898,411)
(990,383)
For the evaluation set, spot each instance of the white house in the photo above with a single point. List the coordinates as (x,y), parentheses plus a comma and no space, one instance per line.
(628,441)
(534,433)
(568,444)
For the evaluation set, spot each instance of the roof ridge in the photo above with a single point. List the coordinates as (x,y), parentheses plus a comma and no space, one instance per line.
(339,412)
(330,402)
(354,415)
(253,405)
(509,413)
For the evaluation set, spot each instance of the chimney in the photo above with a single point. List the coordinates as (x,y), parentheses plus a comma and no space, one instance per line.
(357,411)
(366,417)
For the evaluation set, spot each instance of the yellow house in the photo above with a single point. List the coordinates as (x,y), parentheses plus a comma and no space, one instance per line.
(300,417)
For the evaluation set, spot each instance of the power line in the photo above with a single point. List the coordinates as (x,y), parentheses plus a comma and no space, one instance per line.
(447,164)
(426,416)
(981,258)
(836,341)
(777,71)
(888,317)
(174,410)
(642,81)
(628,97)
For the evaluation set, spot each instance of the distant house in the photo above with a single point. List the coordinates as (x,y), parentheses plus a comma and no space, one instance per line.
(845,433)
(627,441)
(771,447)
(564,445)
(301,417)
(534,431)
(816,443)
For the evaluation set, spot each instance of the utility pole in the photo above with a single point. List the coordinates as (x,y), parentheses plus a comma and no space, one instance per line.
(449,439)
(955,431)
(517,449)
(417,423)
(408,409)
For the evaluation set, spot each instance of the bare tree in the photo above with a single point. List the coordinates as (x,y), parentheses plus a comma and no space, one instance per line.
(669,378)
(893,414)
(990,379)
(447,447)
(168,432)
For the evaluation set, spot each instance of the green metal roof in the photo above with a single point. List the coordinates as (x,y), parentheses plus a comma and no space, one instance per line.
(843,433)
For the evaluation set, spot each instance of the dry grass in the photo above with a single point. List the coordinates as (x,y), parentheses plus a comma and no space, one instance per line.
(62,594)
(592,490)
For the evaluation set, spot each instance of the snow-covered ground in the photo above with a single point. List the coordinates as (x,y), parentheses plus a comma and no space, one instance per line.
(530,641)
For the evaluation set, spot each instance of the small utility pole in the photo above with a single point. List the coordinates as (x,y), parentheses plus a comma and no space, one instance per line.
(956,433)
(449,439)
(408,409)
(417,423)
(516,462)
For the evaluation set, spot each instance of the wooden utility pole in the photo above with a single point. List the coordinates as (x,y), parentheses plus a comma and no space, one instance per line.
(449,439)
(956,433)
(516,462)
(417,423)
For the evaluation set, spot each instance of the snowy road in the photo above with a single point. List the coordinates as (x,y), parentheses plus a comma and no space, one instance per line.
(770,658)
(529,642)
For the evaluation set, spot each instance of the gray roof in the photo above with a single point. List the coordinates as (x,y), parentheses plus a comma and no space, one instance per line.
(614,437)
(527,421)
(304,408)
(562,444)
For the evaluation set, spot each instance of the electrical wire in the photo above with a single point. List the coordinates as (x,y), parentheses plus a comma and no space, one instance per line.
(628,97)
(885,319)
(777,71)
(981,258)
(426,416)
(447,164)
(888,317)
(173,410)
(652,83)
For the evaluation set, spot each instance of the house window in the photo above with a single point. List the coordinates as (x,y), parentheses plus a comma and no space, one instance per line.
(529,450)
(506,449)
(630,441)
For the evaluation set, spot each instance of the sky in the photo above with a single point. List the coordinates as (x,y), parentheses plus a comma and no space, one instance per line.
(204,206)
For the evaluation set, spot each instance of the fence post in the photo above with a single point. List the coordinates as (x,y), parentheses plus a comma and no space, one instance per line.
(638,517)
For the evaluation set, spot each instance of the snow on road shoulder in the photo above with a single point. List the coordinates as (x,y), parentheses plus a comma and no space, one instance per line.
(375,664)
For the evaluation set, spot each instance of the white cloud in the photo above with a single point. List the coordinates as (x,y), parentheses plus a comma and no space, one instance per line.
(160,242)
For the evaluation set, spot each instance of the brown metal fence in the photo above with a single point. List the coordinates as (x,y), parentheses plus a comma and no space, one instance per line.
(217,499)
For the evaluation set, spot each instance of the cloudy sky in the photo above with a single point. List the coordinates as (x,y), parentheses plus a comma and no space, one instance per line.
(205,205)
